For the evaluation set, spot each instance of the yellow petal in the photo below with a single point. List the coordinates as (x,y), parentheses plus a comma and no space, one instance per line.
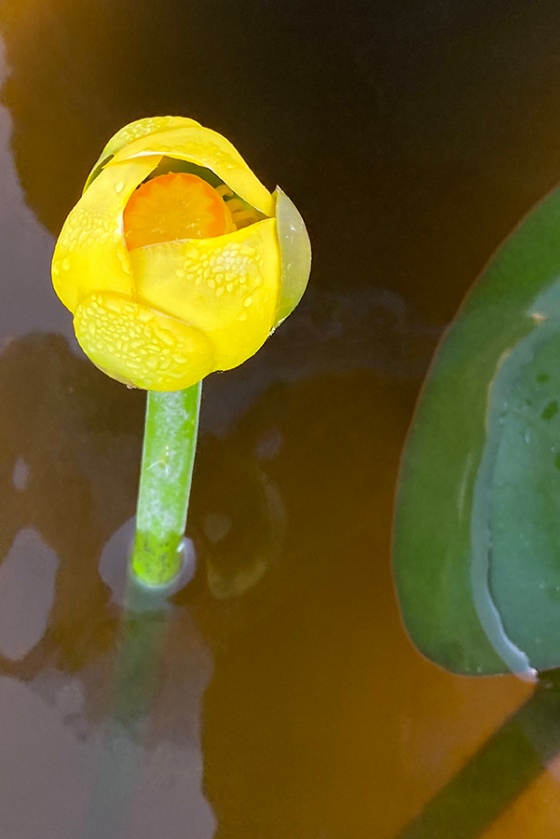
(133,131)
(227,286)
(90,253)
(295,251)
(196,144)
(141,347)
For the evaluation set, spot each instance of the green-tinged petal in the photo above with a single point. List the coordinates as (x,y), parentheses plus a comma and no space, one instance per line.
(131,132)
(227,286)
(295,252)
(90,253)
(196,144)
(139,346)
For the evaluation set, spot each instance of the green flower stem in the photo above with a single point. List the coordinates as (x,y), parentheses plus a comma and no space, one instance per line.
(165,481)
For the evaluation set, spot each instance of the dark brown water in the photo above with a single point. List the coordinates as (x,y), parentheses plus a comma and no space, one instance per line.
(278,697)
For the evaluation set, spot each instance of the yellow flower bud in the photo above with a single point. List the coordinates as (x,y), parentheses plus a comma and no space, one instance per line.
(177,261)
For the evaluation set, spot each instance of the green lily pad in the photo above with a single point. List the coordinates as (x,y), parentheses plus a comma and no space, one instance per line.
(477,524)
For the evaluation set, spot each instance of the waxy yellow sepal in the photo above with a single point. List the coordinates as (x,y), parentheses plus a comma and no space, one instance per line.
(162,316)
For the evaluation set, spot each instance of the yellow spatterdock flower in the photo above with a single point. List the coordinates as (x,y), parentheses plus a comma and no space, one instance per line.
(177,261)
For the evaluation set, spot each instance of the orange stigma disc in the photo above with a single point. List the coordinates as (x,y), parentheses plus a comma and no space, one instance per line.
(174,206)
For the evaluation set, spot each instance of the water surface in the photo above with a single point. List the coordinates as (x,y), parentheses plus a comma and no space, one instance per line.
(278,696)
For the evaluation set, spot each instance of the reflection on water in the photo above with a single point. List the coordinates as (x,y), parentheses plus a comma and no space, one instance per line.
(277,695)
(25,248)
(27,578)
(282,681)
(61,637)
(126,799)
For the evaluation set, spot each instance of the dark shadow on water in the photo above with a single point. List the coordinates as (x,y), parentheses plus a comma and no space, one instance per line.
(78,435)
(411,136)
(287,516)
(498,773)
(287,643)
(305,650)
